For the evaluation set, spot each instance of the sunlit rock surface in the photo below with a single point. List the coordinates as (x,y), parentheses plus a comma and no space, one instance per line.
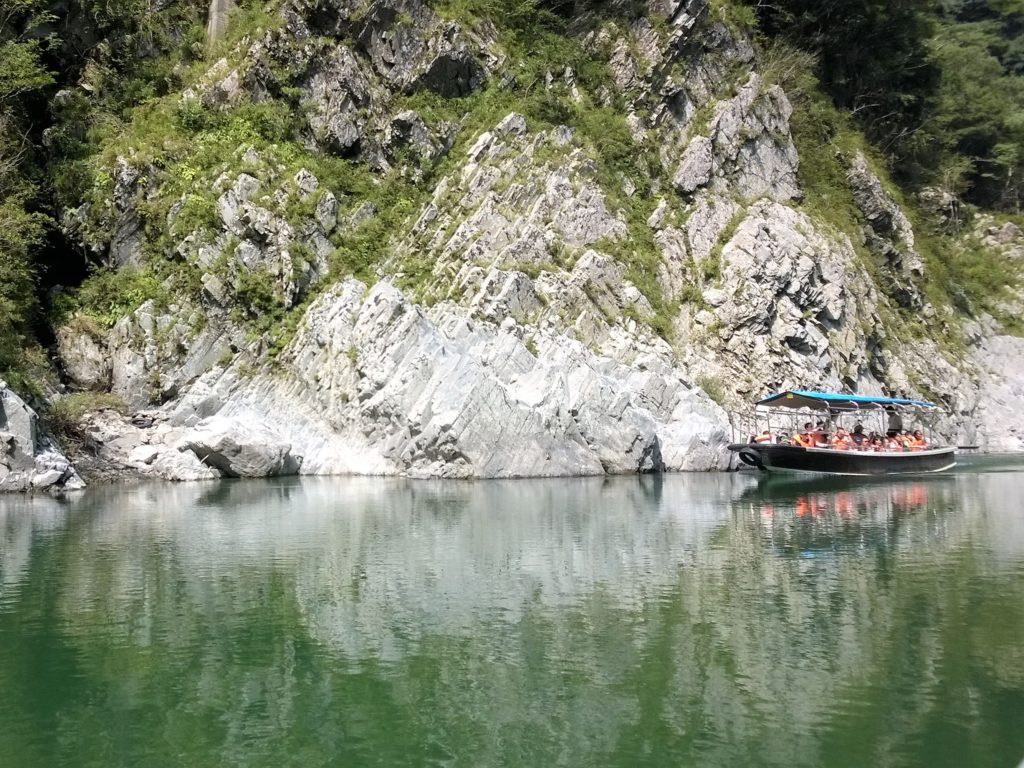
(536,312)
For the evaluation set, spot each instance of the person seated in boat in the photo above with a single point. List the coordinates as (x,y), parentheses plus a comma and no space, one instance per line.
(821,434)
(841,440)
(876,443)
(762,437)
(858,438)
(914,441)
(804,439)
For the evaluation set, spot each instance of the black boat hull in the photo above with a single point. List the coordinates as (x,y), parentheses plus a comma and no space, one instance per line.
(794,458)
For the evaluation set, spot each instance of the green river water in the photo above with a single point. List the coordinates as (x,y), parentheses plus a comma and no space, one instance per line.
(703,620)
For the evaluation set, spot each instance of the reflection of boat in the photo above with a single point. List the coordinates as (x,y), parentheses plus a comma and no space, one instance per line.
(833,514)
(788,487)
(785,457)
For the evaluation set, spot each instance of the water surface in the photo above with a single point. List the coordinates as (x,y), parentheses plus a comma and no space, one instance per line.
(688,620)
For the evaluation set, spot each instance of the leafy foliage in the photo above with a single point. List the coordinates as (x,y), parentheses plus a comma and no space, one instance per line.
(22,225)
(109,294)
(939,88)
(974,133)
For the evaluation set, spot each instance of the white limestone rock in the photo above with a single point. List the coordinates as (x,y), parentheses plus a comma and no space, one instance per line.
(695,167)
(29,459)
(998,424)
(84,356)
(241,451)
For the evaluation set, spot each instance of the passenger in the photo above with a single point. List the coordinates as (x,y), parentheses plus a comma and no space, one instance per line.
(876,442)
(764,437)
(919,439)
(821,434)
(892,444)
(841,440)
(804,439)
(860,440)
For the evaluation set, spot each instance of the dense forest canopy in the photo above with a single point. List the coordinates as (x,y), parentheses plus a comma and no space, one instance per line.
(938,88)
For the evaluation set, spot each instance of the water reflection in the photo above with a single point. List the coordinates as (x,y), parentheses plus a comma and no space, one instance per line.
(709,619)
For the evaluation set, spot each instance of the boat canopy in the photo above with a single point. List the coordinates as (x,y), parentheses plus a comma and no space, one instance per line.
(796,398)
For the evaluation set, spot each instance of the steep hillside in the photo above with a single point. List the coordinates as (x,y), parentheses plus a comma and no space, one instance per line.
(467,240)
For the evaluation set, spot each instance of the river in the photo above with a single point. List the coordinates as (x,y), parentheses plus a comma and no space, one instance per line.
(706,620)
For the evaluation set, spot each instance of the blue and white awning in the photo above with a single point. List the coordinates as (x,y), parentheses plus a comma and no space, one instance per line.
(797,398)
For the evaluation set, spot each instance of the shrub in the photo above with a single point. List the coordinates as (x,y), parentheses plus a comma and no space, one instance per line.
(66,414)
(713,388)
(108,294)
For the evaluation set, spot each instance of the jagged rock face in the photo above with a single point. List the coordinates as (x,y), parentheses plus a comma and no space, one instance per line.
(375,385)
(749,148)
(888,233)
(84,357)
(507,335)
(155,354)
(507,211)
(788,308)
(338,90)
(29,459)
(999,422)
(259,239)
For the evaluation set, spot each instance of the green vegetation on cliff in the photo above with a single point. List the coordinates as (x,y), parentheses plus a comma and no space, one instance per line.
(937,87)
(22,225)
(932,97)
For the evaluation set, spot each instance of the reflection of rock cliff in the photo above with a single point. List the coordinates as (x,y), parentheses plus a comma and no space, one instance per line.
(603,606)
(548,294)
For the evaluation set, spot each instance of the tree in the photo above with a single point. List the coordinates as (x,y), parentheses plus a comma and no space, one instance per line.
(974,131)
(22,228)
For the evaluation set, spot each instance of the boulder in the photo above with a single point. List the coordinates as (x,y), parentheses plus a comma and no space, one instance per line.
(695,166)
(338,91)
(181,466)
(84,356)
(452,73)
(46,478)
(238,451)
(29,460)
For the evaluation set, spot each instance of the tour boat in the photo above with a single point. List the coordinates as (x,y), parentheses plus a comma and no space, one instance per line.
(790,407)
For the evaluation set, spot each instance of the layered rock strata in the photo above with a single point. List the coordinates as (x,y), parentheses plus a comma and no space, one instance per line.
(536,314)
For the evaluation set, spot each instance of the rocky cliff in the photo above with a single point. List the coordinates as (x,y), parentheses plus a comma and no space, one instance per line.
(30,459)
(464,256)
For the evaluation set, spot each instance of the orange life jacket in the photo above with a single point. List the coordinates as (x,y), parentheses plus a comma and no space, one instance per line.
(841,443)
